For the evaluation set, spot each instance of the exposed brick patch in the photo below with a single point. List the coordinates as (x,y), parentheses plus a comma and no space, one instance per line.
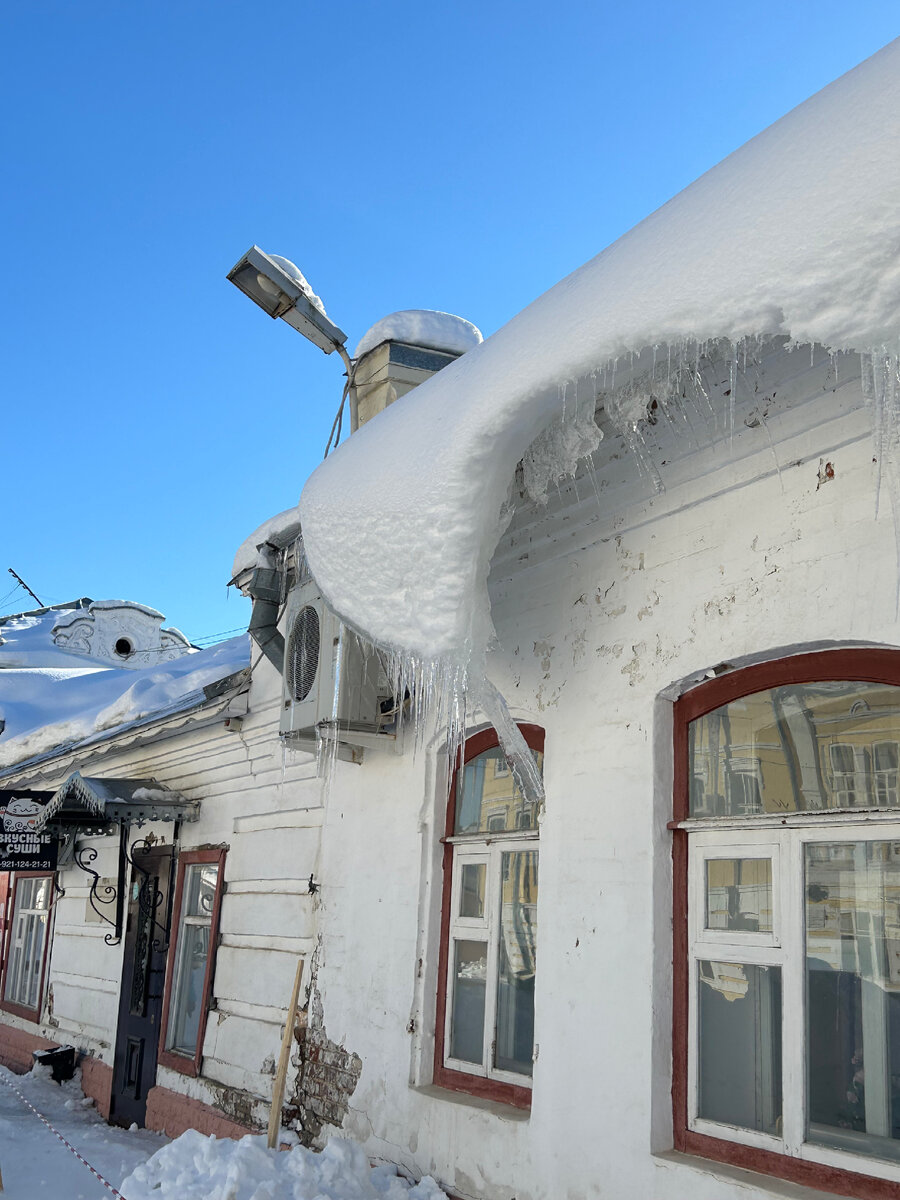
(327,1079)
(96,1082)
(172,1113)
(16,1046)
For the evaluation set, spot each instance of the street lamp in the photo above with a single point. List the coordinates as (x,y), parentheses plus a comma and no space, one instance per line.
(280,289)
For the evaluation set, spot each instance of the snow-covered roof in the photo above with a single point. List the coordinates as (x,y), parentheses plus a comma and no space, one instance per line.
(422,327)
(796,234)
(278,531)
(84,632)
(47,708)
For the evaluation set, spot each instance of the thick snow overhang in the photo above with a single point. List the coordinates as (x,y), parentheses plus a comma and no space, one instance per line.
(92,805)
(797,235)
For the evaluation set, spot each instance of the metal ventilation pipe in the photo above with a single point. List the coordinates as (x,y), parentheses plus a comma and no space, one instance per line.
(264,589)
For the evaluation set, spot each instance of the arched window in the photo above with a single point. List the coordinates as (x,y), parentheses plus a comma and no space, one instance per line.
(787,919)
(484,1041)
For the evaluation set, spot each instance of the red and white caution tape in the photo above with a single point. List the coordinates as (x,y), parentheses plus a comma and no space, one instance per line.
(12,1087)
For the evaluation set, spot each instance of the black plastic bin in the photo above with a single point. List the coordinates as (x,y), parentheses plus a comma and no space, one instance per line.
(60,1060)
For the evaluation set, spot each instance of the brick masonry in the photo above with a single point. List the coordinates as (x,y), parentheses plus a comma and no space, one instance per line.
(327,1079)
(172,1113)
(16,1046)
(96,1082)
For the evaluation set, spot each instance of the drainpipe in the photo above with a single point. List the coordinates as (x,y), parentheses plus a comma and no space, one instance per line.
(265,590)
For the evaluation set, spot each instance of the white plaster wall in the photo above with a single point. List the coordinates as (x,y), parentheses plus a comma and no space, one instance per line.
(601,603)
(613,601)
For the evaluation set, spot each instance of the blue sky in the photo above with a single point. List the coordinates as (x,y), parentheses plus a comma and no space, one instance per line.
(462,156)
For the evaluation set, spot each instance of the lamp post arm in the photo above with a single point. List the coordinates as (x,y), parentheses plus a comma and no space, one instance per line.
(351,387)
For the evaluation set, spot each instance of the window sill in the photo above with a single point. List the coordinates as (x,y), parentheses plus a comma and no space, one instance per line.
(179,1062)
(772,1185)
(777,1174)
(18,1010)
(497,1108)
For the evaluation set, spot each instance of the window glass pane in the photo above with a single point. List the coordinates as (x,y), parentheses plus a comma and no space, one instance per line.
(739,894)
(487,797)
(515,988)
(471,900)
(853,995)
(739,1039)
(467,1020)
(29,930)
(797,748)
(188,999)
(200,889)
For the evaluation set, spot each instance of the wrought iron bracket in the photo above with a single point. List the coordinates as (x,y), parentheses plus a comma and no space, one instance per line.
(105,897)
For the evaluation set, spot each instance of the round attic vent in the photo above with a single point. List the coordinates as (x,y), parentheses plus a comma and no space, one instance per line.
(303,653)
(124,647)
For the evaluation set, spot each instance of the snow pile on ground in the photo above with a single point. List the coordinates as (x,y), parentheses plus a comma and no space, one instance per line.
(422,327)
(797,235)
(48,708)
(194,1167)
(35,1163)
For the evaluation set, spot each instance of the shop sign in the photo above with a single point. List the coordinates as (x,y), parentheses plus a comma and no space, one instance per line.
(21,847)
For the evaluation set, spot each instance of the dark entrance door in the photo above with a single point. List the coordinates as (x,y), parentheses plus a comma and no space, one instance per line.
(143,979)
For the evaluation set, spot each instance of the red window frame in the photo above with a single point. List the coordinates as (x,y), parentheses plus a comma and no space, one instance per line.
(865,666)
(20,1010)
(190,1064)
(449,1077)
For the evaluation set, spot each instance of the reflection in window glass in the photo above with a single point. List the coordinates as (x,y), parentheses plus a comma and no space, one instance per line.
(27,937)
(188,1001)
(739,1039)
(469,980)
(739,894)
(471,900)
(518,935)
(853,995)
(797,748)
(487,796)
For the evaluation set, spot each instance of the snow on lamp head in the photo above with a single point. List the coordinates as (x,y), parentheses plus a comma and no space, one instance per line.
(280,289)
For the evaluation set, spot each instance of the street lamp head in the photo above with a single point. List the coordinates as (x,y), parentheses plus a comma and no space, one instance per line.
(279,288)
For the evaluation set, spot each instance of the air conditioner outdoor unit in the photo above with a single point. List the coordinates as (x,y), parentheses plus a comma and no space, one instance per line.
(317,650)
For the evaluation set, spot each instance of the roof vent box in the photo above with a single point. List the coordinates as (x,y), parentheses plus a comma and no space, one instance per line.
(318,649)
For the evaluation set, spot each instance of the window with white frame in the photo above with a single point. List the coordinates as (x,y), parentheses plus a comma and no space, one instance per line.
(27,942)
(485,1035)
(787,1009)
(191,958)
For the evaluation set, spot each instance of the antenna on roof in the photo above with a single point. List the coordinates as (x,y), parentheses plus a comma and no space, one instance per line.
(21,582)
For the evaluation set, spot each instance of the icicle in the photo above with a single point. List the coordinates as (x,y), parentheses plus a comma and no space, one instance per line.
(557,452)
(881,388)
(517,751)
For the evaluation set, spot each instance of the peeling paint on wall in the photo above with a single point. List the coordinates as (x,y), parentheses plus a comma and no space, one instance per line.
(327,1077)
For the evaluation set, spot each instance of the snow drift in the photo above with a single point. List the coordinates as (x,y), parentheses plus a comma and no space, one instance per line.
(796,235)
(194,1167)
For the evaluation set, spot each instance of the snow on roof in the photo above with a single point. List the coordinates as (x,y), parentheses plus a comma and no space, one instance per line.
(46,708)
(796,234)
(73,634)
(278,531)
(422,327)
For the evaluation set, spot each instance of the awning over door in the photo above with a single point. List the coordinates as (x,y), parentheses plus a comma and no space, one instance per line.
(87,805)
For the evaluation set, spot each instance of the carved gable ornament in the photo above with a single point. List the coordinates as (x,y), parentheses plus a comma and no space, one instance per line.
(119,633)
